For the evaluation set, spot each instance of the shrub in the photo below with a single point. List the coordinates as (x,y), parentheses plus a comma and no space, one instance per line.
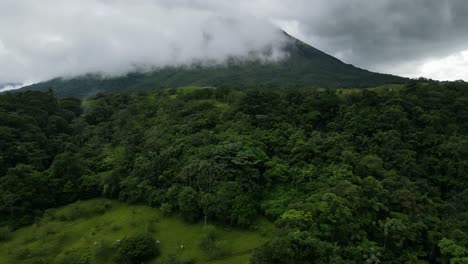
(74,258)
(80,210)
(166,209)
(21,253)
(5,233)
(37,260)
(137,249)
(100,207)
(51,229)
(173,258)
(115,227)
(210,244)
(102,250)
(50,215)
(151,227)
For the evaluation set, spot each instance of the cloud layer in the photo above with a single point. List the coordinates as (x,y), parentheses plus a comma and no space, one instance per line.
(49,38)
(396,36)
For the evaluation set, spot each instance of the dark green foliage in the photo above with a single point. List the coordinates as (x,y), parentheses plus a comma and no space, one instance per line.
(347,176)
(77,210)
(35,128)
(5,233)
(74,258)
(188,204)
(136,249)
(173,258)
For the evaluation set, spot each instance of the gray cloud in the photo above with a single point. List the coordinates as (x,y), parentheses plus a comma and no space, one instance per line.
(384,35)
(48,38)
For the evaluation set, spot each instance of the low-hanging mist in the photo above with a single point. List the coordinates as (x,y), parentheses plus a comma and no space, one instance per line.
(50,38)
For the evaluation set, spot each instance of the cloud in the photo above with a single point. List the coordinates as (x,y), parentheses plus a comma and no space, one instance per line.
(11,86)
(451,68)
(382,35)
(47,38)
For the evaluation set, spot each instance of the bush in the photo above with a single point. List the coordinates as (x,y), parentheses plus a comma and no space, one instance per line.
(37,260)
(5,233)
(80,210)
(173,258)
(137,249)
(166,209)
(51,229)
(151,227)
(96,208)
(74,258)
(210,244)
(115,227)
(103,250)
(21,253)
(50,215)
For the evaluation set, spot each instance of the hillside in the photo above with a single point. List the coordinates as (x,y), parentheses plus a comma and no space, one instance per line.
(373,175)
(304,66)
(87,231)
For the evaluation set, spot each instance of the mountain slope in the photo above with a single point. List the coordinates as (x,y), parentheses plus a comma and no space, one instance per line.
(304,66)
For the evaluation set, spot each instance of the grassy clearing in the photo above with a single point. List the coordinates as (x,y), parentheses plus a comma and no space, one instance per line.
(175,92)
(215,103)
(185,90)
(382,88)
(92,229)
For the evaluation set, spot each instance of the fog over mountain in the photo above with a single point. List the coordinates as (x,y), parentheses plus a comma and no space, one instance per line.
(408,38)
(9,86)
(40,40)
(62,38)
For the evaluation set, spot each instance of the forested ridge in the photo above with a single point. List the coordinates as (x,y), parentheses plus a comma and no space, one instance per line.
(348,176)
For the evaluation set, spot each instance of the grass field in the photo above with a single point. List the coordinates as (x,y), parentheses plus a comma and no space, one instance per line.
(186,90)
(92,229)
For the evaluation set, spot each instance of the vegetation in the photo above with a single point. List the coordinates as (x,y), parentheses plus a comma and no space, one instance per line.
(137,249)
(347,176)
(57,237)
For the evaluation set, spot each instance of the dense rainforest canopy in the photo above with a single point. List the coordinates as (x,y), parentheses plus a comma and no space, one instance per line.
(347,176)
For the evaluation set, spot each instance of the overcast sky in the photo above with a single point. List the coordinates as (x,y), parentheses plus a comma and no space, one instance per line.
(48,38)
